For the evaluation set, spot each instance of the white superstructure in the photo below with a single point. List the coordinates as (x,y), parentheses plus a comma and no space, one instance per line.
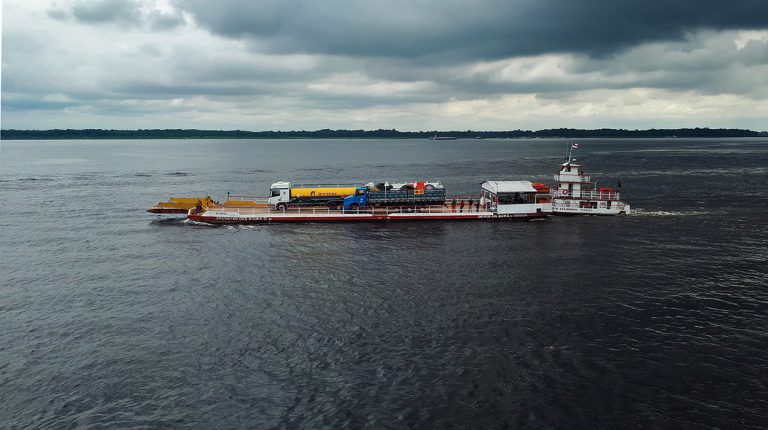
(514,198)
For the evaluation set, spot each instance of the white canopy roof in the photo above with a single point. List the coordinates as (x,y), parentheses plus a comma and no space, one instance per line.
(497,187)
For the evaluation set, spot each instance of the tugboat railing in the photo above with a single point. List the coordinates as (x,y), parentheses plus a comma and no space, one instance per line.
(584,179)
(591,195)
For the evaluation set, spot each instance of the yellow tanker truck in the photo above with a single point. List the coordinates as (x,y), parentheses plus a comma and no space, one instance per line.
(284,194)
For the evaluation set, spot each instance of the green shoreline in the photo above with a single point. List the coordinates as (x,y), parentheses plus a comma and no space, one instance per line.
(562,133)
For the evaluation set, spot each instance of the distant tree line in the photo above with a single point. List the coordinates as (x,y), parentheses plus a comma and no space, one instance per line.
(373,134)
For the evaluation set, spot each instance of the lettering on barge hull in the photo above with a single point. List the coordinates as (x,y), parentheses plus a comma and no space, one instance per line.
(355,218)
(519,215)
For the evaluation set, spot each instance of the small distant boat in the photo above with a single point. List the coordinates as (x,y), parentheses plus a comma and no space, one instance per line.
(436,137)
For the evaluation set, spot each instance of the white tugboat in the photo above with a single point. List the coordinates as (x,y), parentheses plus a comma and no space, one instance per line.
(576,194)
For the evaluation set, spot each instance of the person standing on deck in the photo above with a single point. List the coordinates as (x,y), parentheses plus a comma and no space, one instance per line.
(461,206)
(453,205)
(477,206)
(469,206)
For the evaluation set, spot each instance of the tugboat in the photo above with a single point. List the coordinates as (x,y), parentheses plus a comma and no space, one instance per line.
(576,194)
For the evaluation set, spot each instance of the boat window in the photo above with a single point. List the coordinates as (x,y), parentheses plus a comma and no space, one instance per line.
(515,198)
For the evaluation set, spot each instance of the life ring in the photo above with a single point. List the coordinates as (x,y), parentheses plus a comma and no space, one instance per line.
(564,192)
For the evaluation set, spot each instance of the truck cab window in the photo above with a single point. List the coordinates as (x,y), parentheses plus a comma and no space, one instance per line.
(275,193)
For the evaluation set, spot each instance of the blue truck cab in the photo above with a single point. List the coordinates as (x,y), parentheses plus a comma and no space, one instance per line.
(357,200)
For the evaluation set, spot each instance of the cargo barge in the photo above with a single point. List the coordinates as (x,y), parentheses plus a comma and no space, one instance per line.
(500,200)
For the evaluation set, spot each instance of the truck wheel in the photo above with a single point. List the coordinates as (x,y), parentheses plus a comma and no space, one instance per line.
(354,206)
(429,187)
(281,207)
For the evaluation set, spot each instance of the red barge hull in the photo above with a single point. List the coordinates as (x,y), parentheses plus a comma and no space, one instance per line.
(298,218)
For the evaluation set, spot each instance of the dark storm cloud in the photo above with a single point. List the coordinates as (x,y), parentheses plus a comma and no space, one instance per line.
(708,62)
(459,30)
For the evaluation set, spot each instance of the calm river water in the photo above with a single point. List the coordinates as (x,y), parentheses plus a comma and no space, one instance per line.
(112,317)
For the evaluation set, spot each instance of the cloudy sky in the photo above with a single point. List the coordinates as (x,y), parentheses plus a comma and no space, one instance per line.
(404,64)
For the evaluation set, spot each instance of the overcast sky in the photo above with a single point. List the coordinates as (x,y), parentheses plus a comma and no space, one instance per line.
(404,64)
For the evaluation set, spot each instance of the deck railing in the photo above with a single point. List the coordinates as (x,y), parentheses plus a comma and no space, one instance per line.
(320,210)
(257,199)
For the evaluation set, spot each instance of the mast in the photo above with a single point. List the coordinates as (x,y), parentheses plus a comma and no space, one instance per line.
(571,147)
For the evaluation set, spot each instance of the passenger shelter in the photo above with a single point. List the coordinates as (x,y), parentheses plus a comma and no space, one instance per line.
(509,196)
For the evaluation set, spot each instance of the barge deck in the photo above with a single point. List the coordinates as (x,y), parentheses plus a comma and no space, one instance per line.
(243,215)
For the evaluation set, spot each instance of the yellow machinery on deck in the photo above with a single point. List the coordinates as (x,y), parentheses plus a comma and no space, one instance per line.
(180,205)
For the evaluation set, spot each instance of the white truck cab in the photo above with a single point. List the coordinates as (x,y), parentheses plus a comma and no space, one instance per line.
(279,192)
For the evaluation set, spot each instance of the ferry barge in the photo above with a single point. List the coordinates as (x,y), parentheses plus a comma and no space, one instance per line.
(573,194)
(502,200)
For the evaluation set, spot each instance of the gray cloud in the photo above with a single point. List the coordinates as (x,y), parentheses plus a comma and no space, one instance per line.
(57,13)
(12,105)
(149,90)
(125,13)
(164,21)
(106,11)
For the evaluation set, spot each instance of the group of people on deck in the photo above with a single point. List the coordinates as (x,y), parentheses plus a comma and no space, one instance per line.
(460,204)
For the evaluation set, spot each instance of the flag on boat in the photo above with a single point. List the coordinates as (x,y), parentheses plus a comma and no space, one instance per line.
(574,145)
